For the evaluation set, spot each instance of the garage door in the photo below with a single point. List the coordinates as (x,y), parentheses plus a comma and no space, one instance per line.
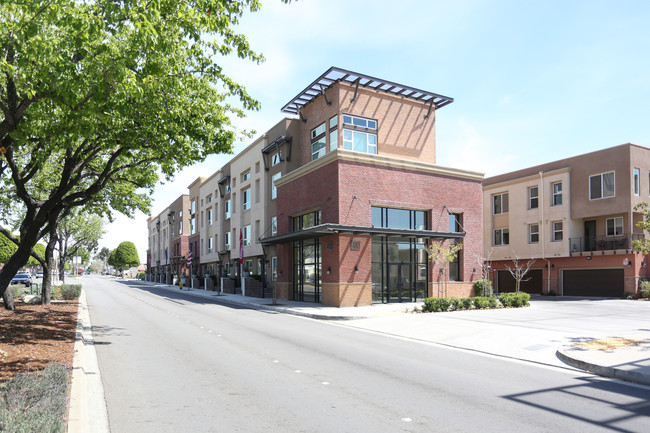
(533,283)
(593,282)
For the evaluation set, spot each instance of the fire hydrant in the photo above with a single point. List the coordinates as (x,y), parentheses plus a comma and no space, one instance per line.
(180,285)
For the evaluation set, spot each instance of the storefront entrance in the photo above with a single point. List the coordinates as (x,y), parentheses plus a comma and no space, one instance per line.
(399,270)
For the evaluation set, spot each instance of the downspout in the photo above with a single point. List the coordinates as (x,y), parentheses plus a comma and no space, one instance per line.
(543,235)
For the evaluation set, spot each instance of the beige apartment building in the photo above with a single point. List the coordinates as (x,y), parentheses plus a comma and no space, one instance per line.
(575,218)
(337,204)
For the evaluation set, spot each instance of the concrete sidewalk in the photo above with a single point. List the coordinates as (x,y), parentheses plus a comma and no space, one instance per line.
(568,333)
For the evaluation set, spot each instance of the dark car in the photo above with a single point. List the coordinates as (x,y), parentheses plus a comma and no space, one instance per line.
(22,278)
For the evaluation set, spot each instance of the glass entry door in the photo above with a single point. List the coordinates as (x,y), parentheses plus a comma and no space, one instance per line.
(400,282)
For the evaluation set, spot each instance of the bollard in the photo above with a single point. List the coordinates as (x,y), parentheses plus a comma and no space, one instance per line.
(180,284)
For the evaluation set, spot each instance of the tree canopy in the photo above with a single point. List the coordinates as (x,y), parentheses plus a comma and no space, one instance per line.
(99,97)
(124,256)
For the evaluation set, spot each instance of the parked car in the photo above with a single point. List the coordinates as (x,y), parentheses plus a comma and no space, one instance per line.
(22,278)
(39,275)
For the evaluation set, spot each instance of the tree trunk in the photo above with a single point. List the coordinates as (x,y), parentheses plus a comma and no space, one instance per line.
(15,263)
(8,299)
(46,293)
(61,261)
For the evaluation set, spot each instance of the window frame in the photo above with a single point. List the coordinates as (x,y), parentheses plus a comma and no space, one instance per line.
(494,203)
(615,227)
(246,235)
(349,119)
(502,239)
(531,197)
(533,233)
(602,189)
(348,143)
(636,180)
(555,231)
(226,209)
(274,226)
(556,193)
(246,199)
(274,188)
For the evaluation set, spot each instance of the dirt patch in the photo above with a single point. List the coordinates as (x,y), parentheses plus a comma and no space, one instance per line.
(32,336)
(609,343)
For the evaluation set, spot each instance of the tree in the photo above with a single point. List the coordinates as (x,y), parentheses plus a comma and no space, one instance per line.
(8,247)
(125,255)
(441,253)
(642,245)
(519,270)
(99,97)
(103,255)
(78,234)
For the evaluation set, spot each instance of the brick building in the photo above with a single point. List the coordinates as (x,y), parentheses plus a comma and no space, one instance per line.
(337,205)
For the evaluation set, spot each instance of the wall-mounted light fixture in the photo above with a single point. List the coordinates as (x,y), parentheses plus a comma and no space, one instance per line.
(552,266)
(356,270)
(329,270)
(644,264)
(588,257)
(473,270)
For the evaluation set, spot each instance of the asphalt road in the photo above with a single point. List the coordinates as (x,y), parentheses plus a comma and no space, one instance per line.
(172,363)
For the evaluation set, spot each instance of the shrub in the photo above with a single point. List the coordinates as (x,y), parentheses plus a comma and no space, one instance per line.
(483,287)
(645,289)
(466,303)
(70,292)
(514,299)
(17,290)
(480,302)
(29,403)
(493,302)
(454,304)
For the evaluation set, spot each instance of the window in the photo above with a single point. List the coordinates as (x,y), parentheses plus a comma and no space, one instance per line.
(334,133)
(246,176)
(601,186)
(227,208)
(500,203)
(386,217)
(637,181)
(306,221)
(318,148)
(228,188)
(193,207)
(208,199)
(193,225)
(274,268)
(276,158)
(454,265)
(533,233)
(557,231)
(557,194)
(274,226)
(210,216)
(501,237)
(359,121)
(359,141)
(257,191)
(248,266)
(533,197)
(274,189)
(247,235)
(180,227)
(210,245)
(615,226)
(317,131)
(246,199)
(454,223)
(228,244)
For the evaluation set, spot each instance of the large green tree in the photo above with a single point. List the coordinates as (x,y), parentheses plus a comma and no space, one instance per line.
(124,256)
(78,234)
(99,97)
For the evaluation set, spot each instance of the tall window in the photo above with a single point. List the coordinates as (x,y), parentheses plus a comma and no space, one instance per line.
(601,186)
(246,199)
(386,217)
(500,203)
(274,226)
(247,235)
(614,226)
(227,240)
(274,189)
(360,141)
(533,197)
(227,208)
(454,265)
(334,133)
(180,227)
(274,268)
(501,237)
(359,134)
(637,181)
(557,194)
(533,233)
(305,221)
(318,142)
(210,216)
(557,231)
(210,245)
(193,207)
(246,176)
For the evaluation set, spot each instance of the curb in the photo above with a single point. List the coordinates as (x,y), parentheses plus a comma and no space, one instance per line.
(611,372)
(87,411)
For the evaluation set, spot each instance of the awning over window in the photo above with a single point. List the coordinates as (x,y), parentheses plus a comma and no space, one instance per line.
(331,229)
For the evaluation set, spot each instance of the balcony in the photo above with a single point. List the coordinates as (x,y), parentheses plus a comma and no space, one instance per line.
(603,243)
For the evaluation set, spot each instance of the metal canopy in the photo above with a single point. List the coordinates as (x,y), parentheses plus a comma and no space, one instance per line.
(330,229)
(334,75)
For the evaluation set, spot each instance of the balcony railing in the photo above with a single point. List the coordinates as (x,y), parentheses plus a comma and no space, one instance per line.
(603,243)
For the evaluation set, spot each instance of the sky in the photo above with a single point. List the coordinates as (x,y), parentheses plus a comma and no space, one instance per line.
(532,82)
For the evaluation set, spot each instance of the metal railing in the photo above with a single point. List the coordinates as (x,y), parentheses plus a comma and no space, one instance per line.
(603,243)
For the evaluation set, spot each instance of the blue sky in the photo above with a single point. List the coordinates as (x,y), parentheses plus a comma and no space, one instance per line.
(532,81)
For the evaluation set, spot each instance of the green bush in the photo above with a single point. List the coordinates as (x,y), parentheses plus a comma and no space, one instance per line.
(645,289)
(483,287)
(454,304)
(480,302)
(466,303)
(493,302)
(70,292)
(17,290)
(514,299)
(29,403)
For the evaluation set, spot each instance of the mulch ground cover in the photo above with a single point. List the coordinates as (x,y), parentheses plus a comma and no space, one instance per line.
(33,336)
